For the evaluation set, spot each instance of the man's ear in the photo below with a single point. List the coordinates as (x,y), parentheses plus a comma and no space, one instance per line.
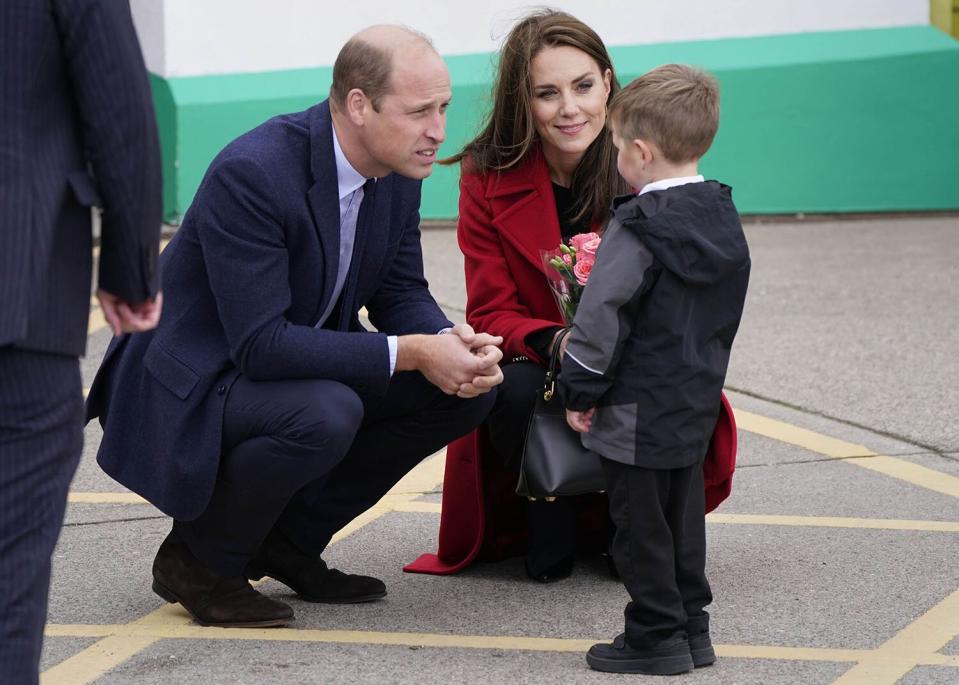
(358,106)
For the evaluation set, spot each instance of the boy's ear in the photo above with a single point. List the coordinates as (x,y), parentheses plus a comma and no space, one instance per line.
(646,150)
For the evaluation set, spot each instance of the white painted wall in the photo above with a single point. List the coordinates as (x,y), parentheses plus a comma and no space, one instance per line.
(194,37)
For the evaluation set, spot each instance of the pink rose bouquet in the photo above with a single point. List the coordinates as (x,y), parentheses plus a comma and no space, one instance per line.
(567,269)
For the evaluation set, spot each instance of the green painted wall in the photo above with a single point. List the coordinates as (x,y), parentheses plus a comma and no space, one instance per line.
(850,121)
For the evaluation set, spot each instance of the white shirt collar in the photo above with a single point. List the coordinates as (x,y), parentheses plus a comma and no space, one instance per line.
(670,182)
(347,178)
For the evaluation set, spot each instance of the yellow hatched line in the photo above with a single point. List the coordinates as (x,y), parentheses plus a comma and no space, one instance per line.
(113,649)
(165,626)
(402,502)
(770,520)
(852,453)
(105,498)
(833,522)
(168,621)
(910,647)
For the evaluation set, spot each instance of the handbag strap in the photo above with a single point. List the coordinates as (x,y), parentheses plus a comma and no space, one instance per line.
(549,385)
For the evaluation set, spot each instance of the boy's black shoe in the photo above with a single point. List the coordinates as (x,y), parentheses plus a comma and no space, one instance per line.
(700,645)
(701,649)
(619,657)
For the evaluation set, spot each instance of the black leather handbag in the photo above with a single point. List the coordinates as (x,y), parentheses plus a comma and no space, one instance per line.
(555,463)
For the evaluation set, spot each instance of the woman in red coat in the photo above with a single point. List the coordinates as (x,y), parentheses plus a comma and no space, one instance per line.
(543,170)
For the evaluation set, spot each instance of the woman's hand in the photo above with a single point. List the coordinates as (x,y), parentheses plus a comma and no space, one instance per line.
(580,421)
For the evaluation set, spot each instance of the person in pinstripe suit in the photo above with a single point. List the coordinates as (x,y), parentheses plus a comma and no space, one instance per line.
(77,130)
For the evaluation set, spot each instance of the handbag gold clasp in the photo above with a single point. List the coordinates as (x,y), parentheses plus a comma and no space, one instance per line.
(550,391)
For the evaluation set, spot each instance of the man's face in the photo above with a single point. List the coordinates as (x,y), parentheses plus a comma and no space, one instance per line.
(406,132)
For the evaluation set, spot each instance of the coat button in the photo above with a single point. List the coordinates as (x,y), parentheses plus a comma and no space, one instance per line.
(220,389)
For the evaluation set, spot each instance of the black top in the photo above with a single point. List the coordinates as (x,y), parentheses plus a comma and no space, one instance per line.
(565,210)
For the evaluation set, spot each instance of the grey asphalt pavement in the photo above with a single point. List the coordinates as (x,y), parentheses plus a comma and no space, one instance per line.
(834,560)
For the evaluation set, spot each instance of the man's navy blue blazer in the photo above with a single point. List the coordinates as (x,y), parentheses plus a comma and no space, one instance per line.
(246,278)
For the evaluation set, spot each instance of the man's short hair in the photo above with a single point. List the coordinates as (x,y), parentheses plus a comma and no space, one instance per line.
(364,65)
(674,106)
(361,65)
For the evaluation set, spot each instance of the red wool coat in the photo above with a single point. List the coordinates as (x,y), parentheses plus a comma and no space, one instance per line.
(505,220)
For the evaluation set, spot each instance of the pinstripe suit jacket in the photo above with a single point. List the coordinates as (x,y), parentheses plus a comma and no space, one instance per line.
(77,130)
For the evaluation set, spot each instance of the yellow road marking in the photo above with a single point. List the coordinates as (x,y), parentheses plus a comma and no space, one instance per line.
(770,520)
(801,437)
(910,647)
(105,498)
(115,648)
(402,502)
(833,522)
(168,621)
(912,473)
(509,643)
(850,452)
(420,507)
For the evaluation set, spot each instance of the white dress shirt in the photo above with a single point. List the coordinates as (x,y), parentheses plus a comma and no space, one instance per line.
(350,186)
(670,182)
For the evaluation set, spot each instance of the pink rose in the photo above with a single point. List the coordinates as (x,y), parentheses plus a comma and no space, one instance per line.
(590,246)
(582,269)
(568,259)
(577,241)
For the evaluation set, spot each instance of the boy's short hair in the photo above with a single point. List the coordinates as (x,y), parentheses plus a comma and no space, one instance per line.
(674,106)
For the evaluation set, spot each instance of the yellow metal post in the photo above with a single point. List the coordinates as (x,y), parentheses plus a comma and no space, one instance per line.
(944,15)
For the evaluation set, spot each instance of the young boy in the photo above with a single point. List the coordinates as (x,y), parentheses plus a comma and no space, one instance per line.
(647,357)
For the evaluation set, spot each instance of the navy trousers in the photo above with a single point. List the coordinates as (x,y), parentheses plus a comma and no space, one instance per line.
(41,437)
(308,456)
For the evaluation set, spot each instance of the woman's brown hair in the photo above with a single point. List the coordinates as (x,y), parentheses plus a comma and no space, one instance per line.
(509,132)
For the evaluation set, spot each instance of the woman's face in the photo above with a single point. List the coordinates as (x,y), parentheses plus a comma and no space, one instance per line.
(569,104)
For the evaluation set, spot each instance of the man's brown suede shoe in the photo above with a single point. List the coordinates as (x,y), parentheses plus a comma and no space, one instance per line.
(212,599)
(309,576)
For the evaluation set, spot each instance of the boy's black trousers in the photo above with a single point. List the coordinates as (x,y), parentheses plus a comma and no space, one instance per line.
(660,550)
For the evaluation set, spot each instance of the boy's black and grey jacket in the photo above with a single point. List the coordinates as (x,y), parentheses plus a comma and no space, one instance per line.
(650,344)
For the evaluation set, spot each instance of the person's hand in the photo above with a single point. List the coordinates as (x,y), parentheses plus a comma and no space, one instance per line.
(580,421)
(449,363)
(124,317)
(475,340)
(564,333)
(489,377)
(486,347)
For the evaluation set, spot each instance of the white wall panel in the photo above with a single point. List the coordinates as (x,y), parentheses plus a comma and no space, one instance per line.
(224,36)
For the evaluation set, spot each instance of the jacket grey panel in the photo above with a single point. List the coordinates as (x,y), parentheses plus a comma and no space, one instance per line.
(613,433)
(604,320)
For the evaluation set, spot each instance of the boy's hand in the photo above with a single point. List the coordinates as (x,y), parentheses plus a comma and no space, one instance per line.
(580,421)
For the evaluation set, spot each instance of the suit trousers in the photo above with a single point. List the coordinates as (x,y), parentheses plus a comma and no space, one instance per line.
(308,456)
(660,550)
(41,438)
